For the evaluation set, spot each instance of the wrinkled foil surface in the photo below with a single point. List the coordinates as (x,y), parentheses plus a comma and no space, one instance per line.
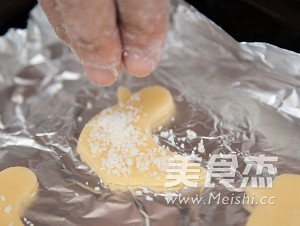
(241,98)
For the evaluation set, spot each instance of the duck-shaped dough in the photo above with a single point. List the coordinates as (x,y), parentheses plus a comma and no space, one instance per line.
(118,145)
(17,186)
(276,206)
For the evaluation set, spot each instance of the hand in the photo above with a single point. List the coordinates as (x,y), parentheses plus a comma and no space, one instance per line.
(106,34)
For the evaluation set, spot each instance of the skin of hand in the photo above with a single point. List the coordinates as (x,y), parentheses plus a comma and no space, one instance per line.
(107,34)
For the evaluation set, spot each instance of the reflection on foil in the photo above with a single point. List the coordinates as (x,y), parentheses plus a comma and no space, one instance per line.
(239,98)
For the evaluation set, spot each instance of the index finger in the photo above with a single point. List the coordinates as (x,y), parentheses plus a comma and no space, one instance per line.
(143,25)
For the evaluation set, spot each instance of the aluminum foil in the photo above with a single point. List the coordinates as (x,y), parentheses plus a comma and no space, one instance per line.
(241,98)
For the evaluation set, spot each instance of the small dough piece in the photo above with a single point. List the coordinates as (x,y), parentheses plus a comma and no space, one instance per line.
(285,211)
(17,186)
(118,145)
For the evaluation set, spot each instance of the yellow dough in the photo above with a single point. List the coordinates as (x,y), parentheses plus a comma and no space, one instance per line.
(286,208)
(118,145)
(17,186)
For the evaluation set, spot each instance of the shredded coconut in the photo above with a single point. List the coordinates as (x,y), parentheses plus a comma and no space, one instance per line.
(183,139)
(146,191)
(148,198)
(169,135)
(7,209)
(138,193)
(164,134)
(115,133)
(201,147)
(2,198)
(191,134)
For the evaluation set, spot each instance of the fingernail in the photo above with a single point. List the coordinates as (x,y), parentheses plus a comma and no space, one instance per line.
(138,63)
(101,76)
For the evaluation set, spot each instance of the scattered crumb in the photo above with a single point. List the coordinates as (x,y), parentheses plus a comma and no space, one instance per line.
(146,191)
(7,209)
(191,134)
(148,198)
(89,105)
(201,147)
(183,139)
(138,193)
(165,134)
(2,198)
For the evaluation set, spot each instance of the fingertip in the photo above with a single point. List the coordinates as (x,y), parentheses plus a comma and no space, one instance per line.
(138,63)
(101,76)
